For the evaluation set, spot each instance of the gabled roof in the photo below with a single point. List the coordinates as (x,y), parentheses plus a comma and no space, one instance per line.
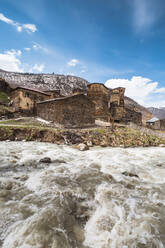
(63,98)
(30,89)
(153,120)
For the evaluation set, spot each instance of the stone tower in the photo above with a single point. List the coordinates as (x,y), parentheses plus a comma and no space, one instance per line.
(116,103)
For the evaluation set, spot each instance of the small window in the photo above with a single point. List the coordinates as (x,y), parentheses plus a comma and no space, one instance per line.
(27,94)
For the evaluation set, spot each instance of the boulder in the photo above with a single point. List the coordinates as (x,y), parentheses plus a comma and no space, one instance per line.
(46,160)
(81,147)
(89,143)
(103,144)
(162,145)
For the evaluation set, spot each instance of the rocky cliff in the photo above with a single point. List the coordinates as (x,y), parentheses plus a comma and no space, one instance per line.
(158,112)
(44,81)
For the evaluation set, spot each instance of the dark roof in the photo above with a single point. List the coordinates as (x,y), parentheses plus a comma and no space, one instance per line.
(30,89)
(55,90)
(63,98)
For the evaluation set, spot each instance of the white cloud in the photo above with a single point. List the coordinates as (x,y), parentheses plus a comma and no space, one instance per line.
(5,19)
(143,90)
(30,28)
(38,68)
(9,61)
(27,49)
(37,47)
(14,52)
(143,14)
(73,62)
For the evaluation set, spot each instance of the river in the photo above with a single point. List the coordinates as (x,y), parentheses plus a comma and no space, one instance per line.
(101,198)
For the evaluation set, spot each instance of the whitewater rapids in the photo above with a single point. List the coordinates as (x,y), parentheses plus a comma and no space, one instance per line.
(101,198)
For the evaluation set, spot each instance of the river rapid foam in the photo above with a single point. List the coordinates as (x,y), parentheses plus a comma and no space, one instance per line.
(101,198)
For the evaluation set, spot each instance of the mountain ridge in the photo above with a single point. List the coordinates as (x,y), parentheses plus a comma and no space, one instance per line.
(44,82)
(158,112)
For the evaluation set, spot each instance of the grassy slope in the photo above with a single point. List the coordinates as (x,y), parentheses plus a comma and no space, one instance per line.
(125,136)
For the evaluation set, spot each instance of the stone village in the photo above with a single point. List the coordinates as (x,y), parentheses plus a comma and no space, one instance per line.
(79,109)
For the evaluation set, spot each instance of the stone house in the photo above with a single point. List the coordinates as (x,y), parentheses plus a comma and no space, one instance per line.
(156,124)
(99,95)
(72,111)
(25,99)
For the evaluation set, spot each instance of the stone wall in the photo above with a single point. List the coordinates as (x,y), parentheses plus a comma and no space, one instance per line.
(99,95)
(54,93)
(162,124)
(132,116)
(76,110)
(25,100)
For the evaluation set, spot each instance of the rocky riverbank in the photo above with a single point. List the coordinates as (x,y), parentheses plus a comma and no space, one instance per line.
(121,136)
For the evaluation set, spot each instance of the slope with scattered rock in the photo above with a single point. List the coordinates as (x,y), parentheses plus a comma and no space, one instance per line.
(131,104)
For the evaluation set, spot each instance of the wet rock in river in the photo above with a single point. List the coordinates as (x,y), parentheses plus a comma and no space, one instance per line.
(162,145)
(129,174)
(46,160)
(159,165)
(21,177)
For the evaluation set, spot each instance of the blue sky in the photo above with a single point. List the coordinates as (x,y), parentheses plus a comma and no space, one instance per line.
(120,42)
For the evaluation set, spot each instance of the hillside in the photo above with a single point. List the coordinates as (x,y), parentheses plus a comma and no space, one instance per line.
(44,81)
(158,112)
(131,104)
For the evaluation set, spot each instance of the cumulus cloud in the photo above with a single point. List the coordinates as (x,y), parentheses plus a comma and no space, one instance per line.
(30,28)
(73,62)
(10,61)
(38,68)
(143,90)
